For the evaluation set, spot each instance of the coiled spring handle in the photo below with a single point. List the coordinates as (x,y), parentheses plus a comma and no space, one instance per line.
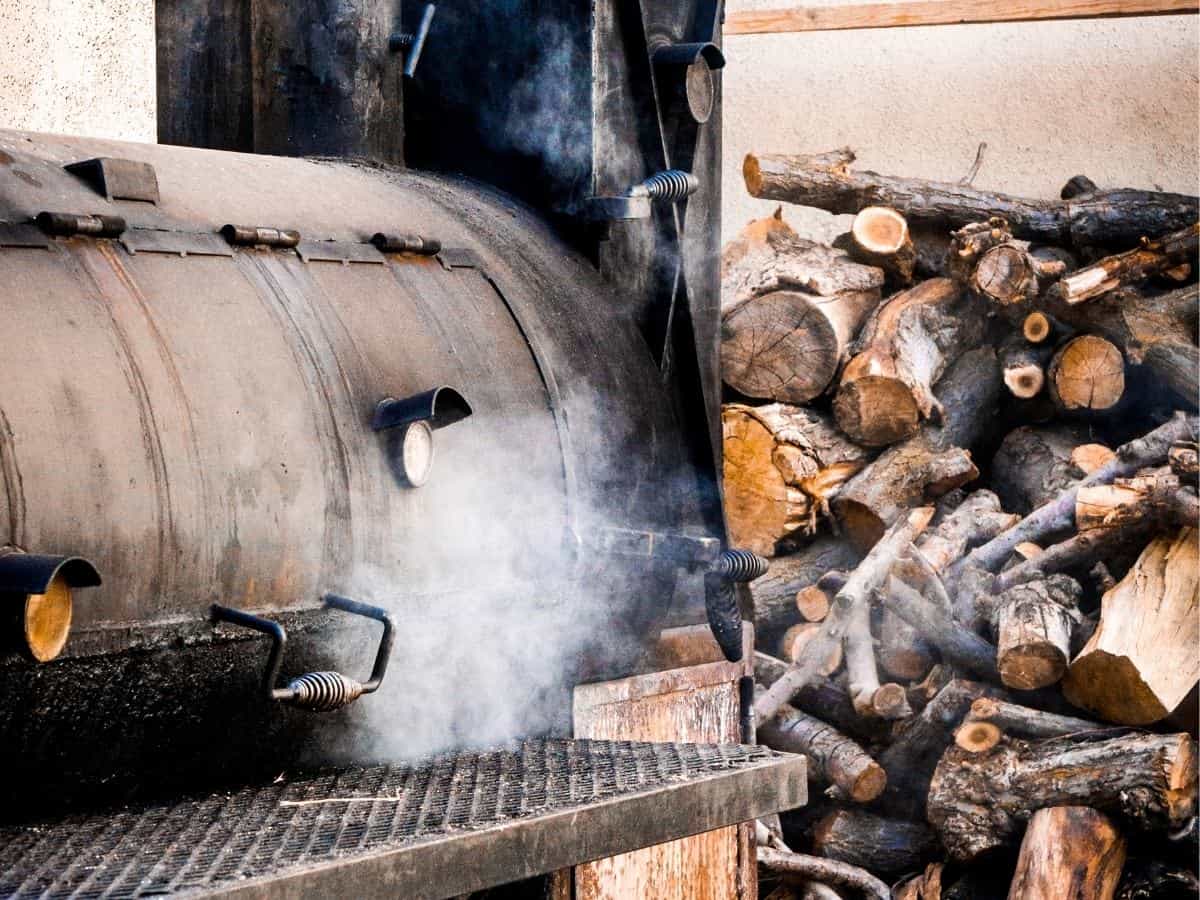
(720,600)
(315,691)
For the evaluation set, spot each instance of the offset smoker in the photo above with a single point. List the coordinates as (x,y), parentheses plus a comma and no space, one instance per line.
(272,399)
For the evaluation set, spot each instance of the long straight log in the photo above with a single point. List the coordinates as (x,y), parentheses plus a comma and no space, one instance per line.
(958,645)
(827,182)
(1131,267)
(1021,721)
(1059,514)
(870,574)
(836,759)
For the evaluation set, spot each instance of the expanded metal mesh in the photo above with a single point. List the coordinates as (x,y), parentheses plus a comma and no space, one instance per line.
(198,844)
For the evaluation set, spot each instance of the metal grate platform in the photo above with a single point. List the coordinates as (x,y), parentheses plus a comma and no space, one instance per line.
(436,829)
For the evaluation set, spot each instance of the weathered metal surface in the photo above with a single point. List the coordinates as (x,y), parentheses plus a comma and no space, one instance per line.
(438,829)
(199,427)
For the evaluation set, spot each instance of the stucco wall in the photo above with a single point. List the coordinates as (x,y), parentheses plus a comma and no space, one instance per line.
(78,67)
(1114,99)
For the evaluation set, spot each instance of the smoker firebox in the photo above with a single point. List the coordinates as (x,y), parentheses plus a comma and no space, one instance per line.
(453,824)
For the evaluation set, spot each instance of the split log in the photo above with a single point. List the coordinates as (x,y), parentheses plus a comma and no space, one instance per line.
(978,802)
(824,870)
(1088,373)
(886,389)
(825,181)
(1034,463)
(1059,514)
(919,742)
(1024,366)
(864,581)
(1153,257)
(1141,662)
(1068,853)
(835,758)
(887,846)
(1158,497)
(1153,329)
(931,464)
(775,594)
(879,237)
(1010,275)
(957,644)
(782,463)
(1033,623)
(1021,721)
(795,644)
(820,697)
(789,309)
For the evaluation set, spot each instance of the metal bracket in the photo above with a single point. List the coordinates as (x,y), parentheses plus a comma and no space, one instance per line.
(118,179)
(315,691)
(411,44)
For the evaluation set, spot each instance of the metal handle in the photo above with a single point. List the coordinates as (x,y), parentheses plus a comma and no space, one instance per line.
(315,691)
(720,601)
(413,44)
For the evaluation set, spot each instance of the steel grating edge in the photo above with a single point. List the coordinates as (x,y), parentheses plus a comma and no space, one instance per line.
(523,848)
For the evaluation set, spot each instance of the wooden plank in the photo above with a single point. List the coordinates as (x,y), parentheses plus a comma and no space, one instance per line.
(941,12)
(700,704)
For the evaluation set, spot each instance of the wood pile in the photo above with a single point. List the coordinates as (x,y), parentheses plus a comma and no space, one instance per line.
(966,435)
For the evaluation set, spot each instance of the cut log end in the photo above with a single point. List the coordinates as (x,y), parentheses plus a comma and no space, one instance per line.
(794,643)
(812,603)
(869,784)
(752,175)
(1087,458)
(1036,327)
(1088,373)
(890,701)
(1027,667)
(977,737)
(1024,381)
(876,410)
(1004,275)
(880,230)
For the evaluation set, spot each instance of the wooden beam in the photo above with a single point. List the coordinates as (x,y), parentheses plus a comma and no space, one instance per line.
(941,12)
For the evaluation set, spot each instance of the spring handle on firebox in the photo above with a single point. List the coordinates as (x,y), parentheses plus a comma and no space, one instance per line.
(315,691)
(720,599)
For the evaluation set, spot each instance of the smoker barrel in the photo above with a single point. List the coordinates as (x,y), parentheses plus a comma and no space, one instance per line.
(194,416)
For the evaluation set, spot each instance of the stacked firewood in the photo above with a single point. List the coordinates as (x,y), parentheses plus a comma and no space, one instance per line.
(966,435)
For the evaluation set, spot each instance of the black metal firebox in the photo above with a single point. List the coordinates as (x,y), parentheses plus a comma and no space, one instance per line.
(441,828)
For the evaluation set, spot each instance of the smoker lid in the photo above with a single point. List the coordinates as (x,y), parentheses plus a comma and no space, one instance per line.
(447,826)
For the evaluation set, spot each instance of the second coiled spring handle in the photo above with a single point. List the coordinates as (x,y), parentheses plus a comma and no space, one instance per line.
(315,691)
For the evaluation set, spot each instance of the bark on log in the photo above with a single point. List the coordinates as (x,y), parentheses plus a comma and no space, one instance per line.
(774,594)
(826,181)
(1077,554)
(1034,463)
(870,574)
(789,309)
(978,802)
(1033,625)
(1157,497)
(957,645)
(880,237)
(932,246)
(902,652)
(931,464)
(1153,329)
(1024,366)
(1184,460)
(925,886)
(1068,853)
(1009,275)
(1141,662)
(824,870)
(1134,266)
(1058,515)
(969,243)
(919,742)
(1021,721)
(782,463)
(886,846)
(794,645)
(820,697)
(836,758)
(1088,373)
(870,698)
(1153,879)
(886,389)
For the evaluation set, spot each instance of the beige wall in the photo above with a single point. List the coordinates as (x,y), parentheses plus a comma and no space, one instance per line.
(81,67)
(1114,99)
